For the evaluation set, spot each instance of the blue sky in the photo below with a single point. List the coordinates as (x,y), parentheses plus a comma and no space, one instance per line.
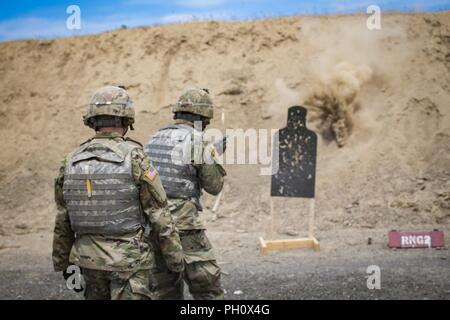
(47,18)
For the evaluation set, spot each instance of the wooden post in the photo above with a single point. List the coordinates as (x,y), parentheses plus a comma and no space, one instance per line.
(217,202)
(305,144)
(309,242)
(312,204)
(272,227)
(219,196)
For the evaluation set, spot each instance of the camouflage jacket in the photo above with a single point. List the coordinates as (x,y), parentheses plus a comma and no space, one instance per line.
(125,253)
(211,177)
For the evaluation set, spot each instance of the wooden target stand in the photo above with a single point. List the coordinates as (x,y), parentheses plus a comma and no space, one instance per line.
(294,177)
(299,243)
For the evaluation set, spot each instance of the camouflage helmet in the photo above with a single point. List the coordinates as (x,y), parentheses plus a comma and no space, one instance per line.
(195,101)
(110,101)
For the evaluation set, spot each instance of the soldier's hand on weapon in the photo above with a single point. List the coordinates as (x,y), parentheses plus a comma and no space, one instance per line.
(224,143)
(175,276)
(177,267)
(221,145)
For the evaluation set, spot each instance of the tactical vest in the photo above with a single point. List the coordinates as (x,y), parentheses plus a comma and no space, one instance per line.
(99,191)
(170,151)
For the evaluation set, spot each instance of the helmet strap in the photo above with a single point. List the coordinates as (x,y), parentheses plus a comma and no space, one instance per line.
(191,118)
(109,121)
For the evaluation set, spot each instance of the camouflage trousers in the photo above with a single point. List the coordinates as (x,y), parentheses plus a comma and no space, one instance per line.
(201,274)
(112,285)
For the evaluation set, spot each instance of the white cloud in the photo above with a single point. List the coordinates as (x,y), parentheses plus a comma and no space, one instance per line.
(180,3)
(179,17)
(131,2)
(199,3)
(36,27)
(187,17)
(29,28)
(32,27)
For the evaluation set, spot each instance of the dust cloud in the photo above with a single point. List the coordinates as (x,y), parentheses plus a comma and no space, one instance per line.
(334,99)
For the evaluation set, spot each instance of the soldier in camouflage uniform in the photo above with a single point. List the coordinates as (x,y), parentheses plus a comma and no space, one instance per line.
(174,153)
(109,197)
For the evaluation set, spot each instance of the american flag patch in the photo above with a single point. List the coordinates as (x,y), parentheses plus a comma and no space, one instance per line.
(151,173)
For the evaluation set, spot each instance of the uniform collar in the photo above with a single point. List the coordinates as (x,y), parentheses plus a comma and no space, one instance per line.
(107,135)
(182,121)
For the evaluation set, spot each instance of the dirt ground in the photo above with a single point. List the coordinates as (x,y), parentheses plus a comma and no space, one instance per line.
(390,90)
(338,271)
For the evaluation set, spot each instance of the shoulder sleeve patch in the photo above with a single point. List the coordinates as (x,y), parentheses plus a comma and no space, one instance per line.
(151,173)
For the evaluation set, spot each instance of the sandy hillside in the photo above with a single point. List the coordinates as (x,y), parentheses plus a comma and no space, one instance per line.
(392,172)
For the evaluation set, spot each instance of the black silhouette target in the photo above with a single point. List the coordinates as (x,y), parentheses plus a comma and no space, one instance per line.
(296,161)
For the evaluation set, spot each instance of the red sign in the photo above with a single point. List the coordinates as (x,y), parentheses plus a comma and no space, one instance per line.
(416,239)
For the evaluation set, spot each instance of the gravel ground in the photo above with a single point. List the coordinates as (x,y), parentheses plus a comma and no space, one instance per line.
(338,271)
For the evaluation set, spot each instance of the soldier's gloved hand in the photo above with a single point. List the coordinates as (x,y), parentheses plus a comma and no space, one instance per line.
(221,145)
(175,260)
(175,267)
(175,276)
(224,144)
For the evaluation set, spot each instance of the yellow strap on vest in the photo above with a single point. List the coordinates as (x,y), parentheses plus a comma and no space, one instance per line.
(89,187)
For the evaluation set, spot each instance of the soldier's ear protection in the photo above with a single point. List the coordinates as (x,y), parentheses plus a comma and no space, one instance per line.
(108,121)
(127,122)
